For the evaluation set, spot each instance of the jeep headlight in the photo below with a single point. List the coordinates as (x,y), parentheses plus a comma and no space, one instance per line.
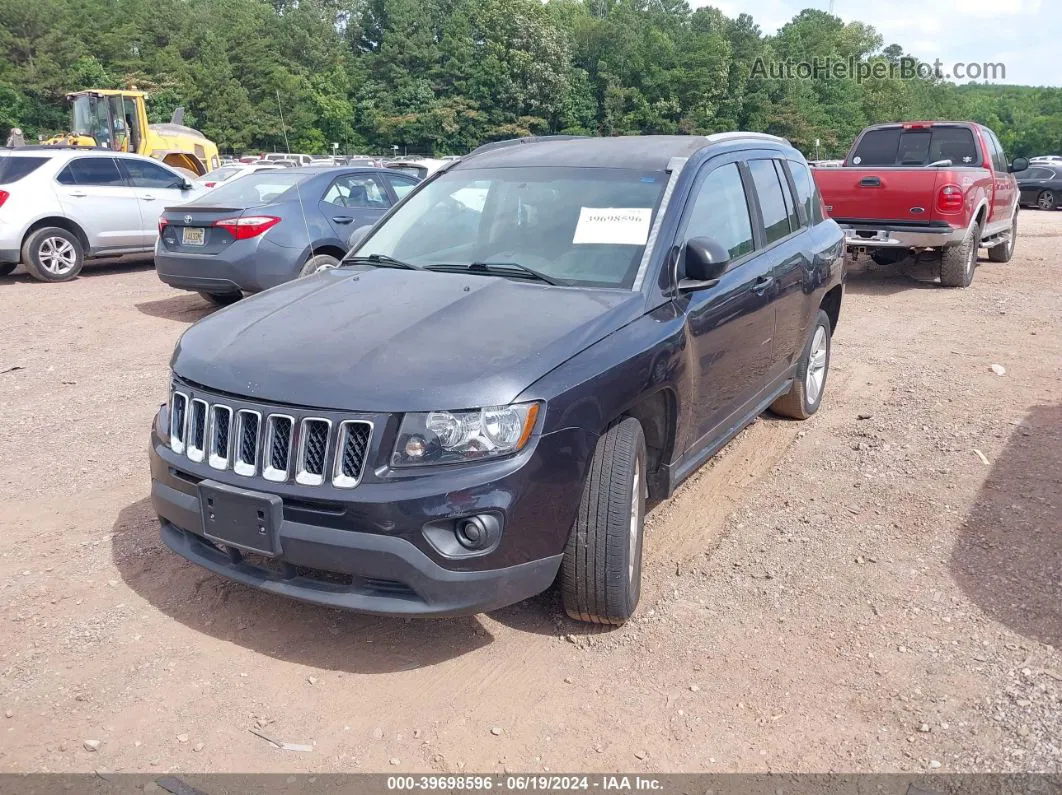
(446,437)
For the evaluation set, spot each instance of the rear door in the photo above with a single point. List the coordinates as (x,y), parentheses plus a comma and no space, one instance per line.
(731,325)
(1002,184)
(157,188)
(354,199)
(95,195)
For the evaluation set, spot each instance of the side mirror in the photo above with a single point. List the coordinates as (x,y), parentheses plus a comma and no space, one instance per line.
(358,235)
(1019,164)
(702,261)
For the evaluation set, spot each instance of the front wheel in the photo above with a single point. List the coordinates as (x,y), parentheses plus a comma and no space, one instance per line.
(1005,250)
(601,574)
(53,254)
(809,382)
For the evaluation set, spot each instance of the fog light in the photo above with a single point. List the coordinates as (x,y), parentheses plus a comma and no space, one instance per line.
(477,532)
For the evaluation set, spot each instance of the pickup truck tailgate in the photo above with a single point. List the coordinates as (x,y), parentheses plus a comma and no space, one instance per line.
(880,194)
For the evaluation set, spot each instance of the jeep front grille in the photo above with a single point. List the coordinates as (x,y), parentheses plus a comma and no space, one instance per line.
(278,447)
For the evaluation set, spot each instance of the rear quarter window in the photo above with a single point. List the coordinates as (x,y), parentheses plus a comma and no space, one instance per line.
(12,169)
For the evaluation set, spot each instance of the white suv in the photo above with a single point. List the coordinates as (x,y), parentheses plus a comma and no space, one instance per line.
(59,206)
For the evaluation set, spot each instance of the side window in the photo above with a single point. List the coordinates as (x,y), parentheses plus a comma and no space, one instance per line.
(357,190)
(143,174)
(772,201)
(721,211)
(999,157)
(401,185)
(91,171)
(787,194)
(807,192)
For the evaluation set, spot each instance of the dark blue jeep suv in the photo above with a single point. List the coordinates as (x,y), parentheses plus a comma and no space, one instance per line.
(503,369)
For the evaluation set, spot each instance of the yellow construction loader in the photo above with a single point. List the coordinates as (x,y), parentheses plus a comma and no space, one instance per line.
(118,120)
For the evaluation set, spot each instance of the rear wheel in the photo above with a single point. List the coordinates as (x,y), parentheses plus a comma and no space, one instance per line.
(809,381)
(320,262)
(1005,250)
(222,299)
(1047,200)
(601,573)
(53,254)
(957,262)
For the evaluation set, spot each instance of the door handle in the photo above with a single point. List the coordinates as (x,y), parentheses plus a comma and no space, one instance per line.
(763,283)
(148,197)
(342,219)
(78,194)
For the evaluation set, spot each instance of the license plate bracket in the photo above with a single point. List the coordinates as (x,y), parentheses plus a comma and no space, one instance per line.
(193,236)
(248,520)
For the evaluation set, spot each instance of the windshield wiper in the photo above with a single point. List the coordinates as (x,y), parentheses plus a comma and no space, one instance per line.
(513,269)
(381,261)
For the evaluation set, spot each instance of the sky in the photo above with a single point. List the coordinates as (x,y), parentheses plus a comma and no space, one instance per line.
(1024,35)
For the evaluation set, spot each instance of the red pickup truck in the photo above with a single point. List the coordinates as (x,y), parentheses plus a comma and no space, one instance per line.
(909,187)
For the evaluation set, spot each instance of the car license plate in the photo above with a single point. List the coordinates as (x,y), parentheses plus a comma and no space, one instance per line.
(193,236)
(245,519)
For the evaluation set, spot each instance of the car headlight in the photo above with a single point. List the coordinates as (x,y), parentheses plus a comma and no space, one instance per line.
(446,437)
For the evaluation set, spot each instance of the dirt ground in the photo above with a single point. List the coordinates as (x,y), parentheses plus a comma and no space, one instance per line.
(859,592)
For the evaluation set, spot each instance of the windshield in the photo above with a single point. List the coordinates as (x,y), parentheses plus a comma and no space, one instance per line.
(581,226)
(90,118)
(255,189)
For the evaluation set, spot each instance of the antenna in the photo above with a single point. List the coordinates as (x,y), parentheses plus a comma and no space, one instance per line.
(298,191)
(831,7)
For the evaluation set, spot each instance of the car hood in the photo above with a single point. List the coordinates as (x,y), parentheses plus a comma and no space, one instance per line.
(395,340)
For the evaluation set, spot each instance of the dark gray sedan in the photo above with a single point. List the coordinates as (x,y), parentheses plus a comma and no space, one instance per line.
(267,228)
(1041,186)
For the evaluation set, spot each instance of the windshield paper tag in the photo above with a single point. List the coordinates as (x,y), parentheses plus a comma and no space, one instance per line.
(622,226)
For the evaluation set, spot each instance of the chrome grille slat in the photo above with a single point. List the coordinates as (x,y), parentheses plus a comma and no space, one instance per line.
(313,447)
(352,447)
(195,438)
(220,436)
(248,429)
(281,448)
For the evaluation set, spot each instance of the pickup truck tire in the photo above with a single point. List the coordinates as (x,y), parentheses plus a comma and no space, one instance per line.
(53,254)
(7,267)
(601,572)
(222,299)
(319,262)
(1005,250)
(957,262)
(1047,200)
(809,382)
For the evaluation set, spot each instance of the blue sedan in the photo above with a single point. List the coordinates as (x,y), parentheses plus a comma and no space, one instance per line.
(267,228)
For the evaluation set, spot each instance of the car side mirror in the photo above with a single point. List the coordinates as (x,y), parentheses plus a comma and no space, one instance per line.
(702,262)
(358,235)
(1019,164)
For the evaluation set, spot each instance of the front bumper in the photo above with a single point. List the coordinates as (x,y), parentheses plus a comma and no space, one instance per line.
(879,237)
(367,550)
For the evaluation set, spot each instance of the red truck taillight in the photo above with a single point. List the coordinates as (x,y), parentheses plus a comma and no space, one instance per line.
(950,199)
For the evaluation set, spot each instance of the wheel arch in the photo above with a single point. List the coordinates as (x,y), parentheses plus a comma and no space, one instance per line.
(831,305)
(62,223)
(657,414)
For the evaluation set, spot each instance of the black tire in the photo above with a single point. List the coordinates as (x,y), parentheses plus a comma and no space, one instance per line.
(1047,200)
(222,299)
(600,575)
(53,254)
(317,263)
(1004,251)
(801,402)
(957,262)
(7,267)
(889,256)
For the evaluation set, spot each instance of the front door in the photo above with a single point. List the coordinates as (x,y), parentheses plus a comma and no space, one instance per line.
(731,325)
(95,196)
(157,187)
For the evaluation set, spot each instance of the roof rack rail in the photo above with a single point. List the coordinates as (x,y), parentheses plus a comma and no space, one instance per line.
(529,139)
(738,135)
